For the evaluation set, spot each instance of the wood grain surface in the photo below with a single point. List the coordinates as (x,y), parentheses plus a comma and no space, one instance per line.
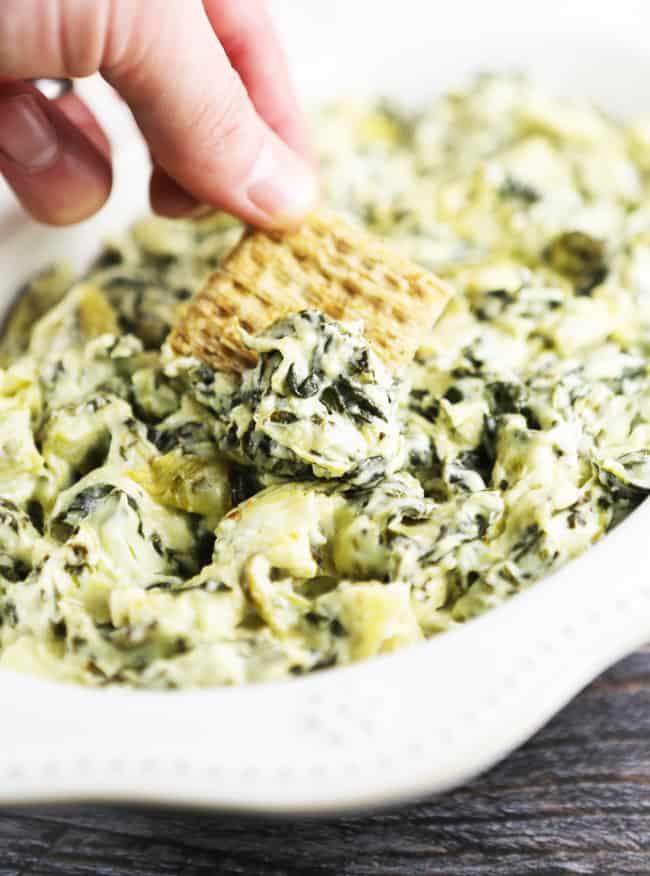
(575,799)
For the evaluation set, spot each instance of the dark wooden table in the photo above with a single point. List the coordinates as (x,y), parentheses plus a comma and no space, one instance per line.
(576,799)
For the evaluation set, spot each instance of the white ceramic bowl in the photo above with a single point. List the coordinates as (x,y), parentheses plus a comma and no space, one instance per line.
(431,716)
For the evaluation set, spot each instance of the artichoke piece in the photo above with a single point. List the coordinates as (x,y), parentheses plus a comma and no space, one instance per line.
(96,316)
(189,483)
(628,476)
(33,300)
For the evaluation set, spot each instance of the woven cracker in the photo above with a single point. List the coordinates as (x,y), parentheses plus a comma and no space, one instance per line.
(328,264)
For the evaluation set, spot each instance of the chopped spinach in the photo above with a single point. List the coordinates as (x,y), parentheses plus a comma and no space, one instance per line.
(520,191)
(305,388)
(82,504)
(578,257)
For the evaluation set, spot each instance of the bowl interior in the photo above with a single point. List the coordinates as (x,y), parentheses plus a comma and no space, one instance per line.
(407,719)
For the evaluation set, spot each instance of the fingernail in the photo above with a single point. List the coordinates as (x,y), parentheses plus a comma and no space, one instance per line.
(27,136)
(281,185)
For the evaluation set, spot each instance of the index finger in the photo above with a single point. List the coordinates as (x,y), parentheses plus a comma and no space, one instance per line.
(248,37)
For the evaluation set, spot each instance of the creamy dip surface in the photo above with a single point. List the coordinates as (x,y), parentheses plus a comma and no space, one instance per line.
(166,526)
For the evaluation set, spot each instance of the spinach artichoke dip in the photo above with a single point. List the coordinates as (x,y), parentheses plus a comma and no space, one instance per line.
(163,525)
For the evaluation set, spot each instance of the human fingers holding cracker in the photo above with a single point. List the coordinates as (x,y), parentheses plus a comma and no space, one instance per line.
(207,83)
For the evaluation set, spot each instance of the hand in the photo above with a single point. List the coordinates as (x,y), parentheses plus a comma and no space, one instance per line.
(206,81)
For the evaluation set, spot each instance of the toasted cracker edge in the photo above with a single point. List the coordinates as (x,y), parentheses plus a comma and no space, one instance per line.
(329,264)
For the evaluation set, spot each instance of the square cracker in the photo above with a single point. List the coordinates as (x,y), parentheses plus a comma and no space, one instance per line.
(328,264)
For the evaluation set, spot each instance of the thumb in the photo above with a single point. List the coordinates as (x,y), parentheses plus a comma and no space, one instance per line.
(197,117)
